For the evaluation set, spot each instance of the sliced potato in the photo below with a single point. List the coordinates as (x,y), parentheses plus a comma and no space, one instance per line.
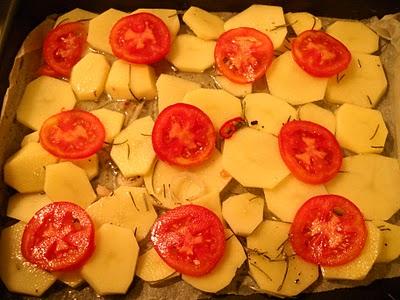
(70,278)
(23,206)
(205,25)
(268,113)
(371,182)
(111,268)
(75,15)
(29,138)
(359,129)
(25,170)
(172,89)
(356,36)
(132,150)
(302,21)
(234,88)
(252,158)
(18,275)
(363,83)
(119,80)
(172,186)
(111,120)
(225,270)
(42,98)
(287,197)
(287,80)
(265,18)
(186,47)
(90,165)
(219,105)
(316,114)
(143,82)
(67,182)
(243,213)
(212,202)
(390,249)
(358,268)
(100,28)
(150,267)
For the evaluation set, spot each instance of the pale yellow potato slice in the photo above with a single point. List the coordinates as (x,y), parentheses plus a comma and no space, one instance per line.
(371,182)
(316,114)
(287,197)
(268,113)
(355,35)
(172,89)
(119,81)
(100,29)
(143,82)
(252,158)
(265,18)
(191,54)
(243,213)
(360,129)
(17,274)
(75,15)
(390,241)
(151,268)
(363,83)
(67,182)
(70,278)
(219,105)
(211,201)
(29,138)
(302,21)
(23,206)
(287,80)
(273,264)
(234,88)
(224,271)
(172,186)
(132,150)
(89,75)
(90,165)
(111,120)
(42,98)
(25,170)
(111,268)
(205,25)
(358,268)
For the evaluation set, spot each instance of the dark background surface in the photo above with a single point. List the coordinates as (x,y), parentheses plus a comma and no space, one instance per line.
(19,17)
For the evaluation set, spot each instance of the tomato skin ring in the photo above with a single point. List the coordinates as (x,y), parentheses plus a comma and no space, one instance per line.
(328,230)
(231,126)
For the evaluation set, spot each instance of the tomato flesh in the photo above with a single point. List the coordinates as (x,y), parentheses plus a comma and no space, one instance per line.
(320,54)
(231,126)
(328,230)
(59,237)
(73,134)
(310,151)
(140,38)
(45,70)
(63,47)
(190,239)
(243,54)
(183,135)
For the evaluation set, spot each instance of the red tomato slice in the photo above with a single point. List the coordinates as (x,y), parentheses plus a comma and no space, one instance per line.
(72,134)
(183,135)
(140,38)
(320,54)
(190,239)
(243,54)
(45,70)
(59,237)
(328,230)
(231,126)
(63,47)
(310,151)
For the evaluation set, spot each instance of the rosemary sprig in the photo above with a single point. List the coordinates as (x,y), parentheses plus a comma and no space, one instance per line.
(369,100)
(284,275)
(359,63)
(339,78)
(283,26)
(129,84)
(145,201)
(377,147)
(314,23)
(261,270)
(129,151)
(133,201)
(115,144)
(173,15)
(375,132)
(145,134)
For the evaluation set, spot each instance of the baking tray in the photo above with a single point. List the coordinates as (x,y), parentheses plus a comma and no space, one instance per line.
(19,17)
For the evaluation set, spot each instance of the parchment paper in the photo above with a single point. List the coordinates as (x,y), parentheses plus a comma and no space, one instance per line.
(11,133)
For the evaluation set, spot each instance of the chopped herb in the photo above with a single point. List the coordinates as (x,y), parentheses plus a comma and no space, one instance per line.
(286,47)
(369,100)
(229,237)
(283,26)
(112,193)
(339,78)
(145,134)
(129,83)
(375,132)
(284,275)
(378,65)
(377,147)
(297,280)
(173,15)
(115,144)
(133,200)
(271,133)
(337,211)
(254,122)
(343,171)
(385,229)
(261,270)
(252,198)
(95,93)
(145,201)
(282,245)
(243,106)
(359,63)
(386,244)
(314,23)
(134,232)
(164,193)
(129,151)
(288,119)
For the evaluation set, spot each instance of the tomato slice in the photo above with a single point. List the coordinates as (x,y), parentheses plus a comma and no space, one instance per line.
(59,237)
(320,54)
(190,239)
(231,126)
(45,70)
(328,230)
(183,135)
(63,47)
(140,38)
(243,54)
(310,151)
(72,134)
